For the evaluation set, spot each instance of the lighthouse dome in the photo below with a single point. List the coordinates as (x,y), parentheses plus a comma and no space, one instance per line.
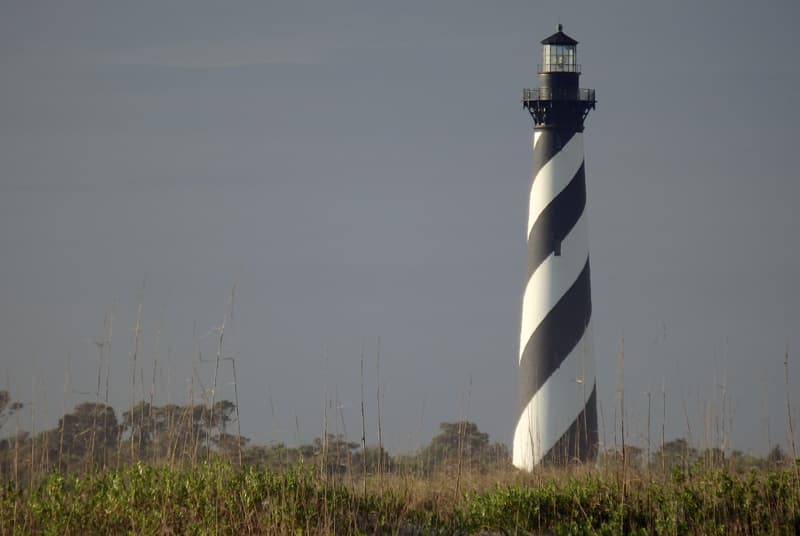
(559,38)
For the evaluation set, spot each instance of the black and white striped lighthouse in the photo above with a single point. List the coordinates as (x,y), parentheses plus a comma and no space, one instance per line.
(557,408)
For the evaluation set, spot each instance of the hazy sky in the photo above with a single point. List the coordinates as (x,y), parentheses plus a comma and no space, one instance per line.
(361,169)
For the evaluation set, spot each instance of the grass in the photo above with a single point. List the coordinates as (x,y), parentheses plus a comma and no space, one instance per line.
(216,497)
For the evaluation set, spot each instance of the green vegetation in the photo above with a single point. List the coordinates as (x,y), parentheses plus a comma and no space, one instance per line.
(177,469)
(147,499)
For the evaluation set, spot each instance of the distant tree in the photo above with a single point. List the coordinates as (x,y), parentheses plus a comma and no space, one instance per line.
(140,426)
(221,415)
(713,457)
(276,456)
(336,453)
(88,434)
(84,438)
(7,407)
(675,453)
(776,456)
(634,457)
(178,432)
(10,448)
(371,456)
(462,440)
(307,451)
(229,444)
(742,462)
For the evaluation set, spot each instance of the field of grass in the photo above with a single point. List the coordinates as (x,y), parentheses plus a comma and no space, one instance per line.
(175,470)
(157,468)
(219,498)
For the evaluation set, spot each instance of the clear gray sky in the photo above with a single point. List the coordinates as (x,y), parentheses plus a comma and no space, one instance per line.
(361,169)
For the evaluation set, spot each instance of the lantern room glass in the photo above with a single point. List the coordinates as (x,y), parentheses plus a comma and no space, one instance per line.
(558,58)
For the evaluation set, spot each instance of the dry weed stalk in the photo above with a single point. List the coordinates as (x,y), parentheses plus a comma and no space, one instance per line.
(363,426)
(33,426)
(380,409)
(110,319)
(791,421)
(217,360)
(663,425)
(64,412)
(137,330)
(235,383)
(621,391)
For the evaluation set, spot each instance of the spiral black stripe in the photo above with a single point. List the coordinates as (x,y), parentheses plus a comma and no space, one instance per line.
(554,338)
(580,440)
(556,221)
(547,146)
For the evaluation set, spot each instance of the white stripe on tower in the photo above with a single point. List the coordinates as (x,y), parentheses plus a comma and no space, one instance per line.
(562,398)
(551,280)
(554,176)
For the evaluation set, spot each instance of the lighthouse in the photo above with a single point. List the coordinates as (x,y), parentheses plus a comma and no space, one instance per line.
(557,393)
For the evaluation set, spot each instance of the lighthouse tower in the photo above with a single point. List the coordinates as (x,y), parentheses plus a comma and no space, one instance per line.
(557,408)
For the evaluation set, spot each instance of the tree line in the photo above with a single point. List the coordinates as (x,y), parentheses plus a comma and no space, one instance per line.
(93,437)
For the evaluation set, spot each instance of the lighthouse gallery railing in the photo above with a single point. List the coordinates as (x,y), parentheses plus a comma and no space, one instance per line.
(549,94)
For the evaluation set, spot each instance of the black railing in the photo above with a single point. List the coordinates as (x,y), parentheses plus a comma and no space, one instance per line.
(550,94)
